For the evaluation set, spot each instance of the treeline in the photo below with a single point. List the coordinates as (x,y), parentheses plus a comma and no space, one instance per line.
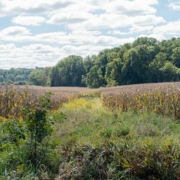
(19,76)
(145,60)
(15,75)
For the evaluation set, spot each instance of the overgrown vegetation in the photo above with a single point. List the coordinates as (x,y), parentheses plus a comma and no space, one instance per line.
(128,132)
(100,144)
(25,131)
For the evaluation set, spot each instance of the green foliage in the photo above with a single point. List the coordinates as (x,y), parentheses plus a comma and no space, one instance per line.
(38,124)
(88,143)
(120,162)
(25,150)
(40,77)
(15,75)
(12,146)
(98,144)
(68,72)
(94,78)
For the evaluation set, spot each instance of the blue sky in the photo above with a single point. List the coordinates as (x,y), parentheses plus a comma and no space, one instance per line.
(42,32)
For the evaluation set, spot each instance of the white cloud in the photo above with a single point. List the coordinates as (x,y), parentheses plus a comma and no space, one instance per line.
(32,6)
(116,21)
(147,2)
(69,18)
(175,6)
(28,20)
(171,28)
(112,40)
(130,7)
(117,32)
(138,29)
(83,50)
(132,30)
(28,56)
(41,55)
(77,38)
(15,31)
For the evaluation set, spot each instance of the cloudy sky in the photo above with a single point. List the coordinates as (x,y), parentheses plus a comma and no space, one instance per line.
(41,32)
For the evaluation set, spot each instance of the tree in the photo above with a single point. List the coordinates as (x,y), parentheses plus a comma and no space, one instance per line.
(10,77)
(19,78)
(170,72)
(144,41)
(136,65)
(176,57)
(94,77)
(155,66)
(68,72)
(35,77)
(54,76)
(1,78)
(113,72)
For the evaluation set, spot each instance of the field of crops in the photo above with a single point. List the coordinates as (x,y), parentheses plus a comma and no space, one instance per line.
(125,132)
(162,98)
(13,98)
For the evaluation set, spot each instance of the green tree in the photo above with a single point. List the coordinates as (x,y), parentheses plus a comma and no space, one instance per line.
(144,41)
(170,72)
(136,65)
(155,66)
(1,78)
(176,56)
(94,77)
(19,78)
(10,77)
(68,72)
(35,77)
(113,72)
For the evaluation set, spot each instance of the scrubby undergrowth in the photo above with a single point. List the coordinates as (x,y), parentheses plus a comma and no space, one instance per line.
(100,144)
(92,142)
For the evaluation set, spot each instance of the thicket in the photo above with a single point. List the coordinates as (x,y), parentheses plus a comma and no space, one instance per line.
(26,150)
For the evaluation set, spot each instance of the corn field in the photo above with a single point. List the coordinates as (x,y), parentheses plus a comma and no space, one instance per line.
(162,98)
(13,99)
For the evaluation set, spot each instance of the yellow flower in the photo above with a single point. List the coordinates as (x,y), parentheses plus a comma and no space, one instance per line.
(2,118)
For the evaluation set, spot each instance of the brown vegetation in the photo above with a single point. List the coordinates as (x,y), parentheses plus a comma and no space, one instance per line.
(161,98)
(14,98)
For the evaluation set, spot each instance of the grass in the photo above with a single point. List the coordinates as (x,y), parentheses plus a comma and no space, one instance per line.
(91,123)
(127,136)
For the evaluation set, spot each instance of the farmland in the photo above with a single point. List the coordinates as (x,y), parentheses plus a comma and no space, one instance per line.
(123,132)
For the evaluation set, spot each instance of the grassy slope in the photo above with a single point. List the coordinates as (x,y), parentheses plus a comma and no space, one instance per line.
(90,124)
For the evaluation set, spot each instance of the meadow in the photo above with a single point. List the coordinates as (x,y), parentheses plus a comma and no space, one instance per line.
(124,132)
